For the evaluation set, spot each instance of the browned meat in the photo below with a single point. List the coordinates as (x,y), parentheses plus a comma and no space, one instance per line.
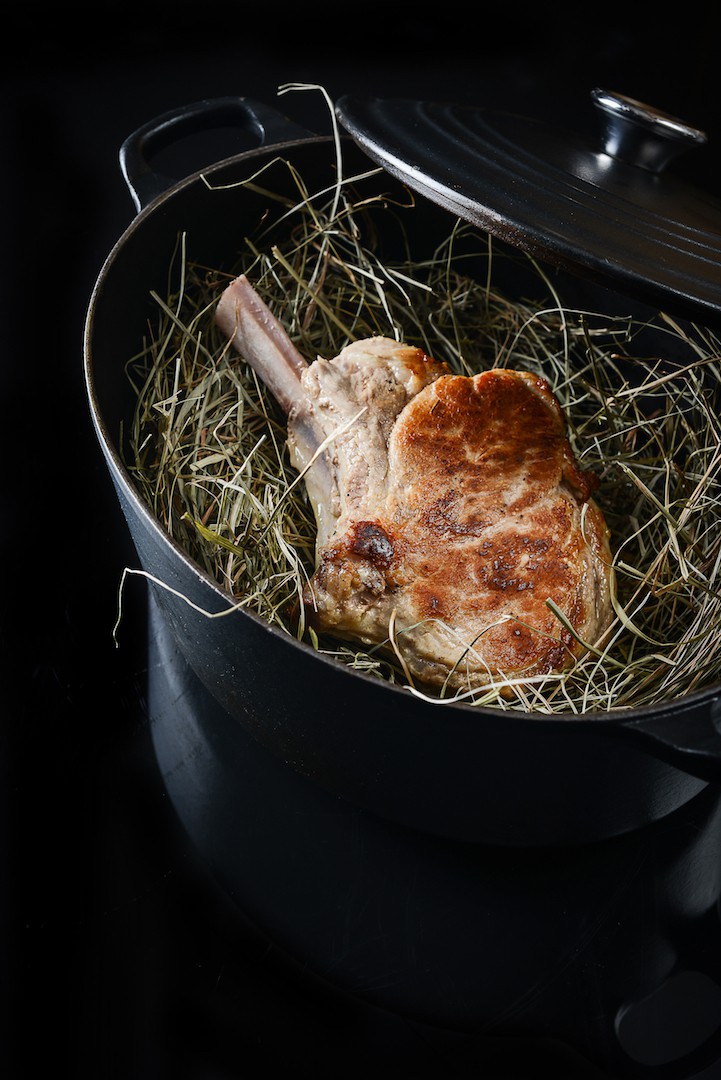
(450,508)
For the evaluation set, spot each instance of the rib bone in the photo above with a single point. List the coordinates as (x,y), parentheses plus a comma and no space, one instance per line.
(261,340)
(259,337)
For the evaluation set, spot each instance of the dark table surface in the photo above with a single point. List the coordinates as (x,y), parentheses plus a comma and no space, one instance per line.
(121,957)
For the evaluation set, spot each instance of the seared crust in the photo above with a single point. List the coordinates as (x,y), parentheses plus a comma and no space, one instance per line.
(481,516)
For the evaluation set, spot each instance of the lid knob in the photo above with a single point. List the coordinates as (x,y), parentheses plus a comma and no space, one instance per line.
(640,135)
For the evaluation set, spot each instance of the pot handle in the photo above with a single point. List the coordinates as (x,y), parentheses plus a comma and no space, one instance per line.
(694,984)
(267,124)
(688,737)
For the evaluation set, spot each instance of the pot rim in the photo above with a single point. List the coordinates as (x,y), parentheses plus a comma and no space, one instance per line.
(608,718)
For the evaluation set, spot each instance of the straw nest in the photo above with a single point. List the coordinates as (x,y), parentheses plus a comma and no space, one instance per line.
(207,447)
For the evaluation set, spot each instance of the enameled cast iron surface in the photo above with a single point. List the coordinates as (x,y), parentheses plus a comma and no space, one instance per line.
(568,198)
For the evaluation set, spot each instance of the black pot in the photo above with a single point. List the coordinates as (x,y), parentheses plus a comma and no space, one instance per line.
(456,771)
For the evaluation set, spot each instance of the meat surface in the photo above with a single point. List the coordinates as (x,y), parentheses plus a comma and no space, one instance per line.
(450,508)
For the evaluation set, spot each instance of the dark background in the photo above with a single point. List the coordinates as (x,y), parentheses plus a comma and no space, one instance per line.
(113,941)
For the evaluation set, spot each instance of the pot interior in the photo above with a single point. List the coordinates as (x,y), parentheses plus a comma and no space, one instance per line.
(436,786)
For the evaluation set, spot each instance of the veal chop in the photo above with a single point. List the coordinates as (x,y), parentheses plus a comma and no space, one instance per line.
(450,508)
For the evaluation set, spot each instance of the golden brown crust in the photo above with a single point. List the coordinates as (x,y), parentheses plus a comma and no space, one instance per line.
(480,526)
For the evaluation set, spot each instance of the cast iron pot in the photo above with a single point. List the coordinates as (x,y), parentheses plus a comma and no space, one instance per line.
(471,774)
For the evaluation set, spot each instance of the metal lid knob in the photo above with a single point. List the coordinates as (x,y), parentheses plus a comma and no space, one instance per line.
(640,135)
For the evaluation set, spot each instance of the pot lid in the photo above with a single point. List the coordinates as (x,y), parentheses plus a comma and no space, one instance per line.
(609,209)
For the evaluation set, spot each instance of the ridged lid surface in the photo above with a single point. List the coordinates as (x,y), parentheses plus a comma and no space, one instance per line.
(610,208)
